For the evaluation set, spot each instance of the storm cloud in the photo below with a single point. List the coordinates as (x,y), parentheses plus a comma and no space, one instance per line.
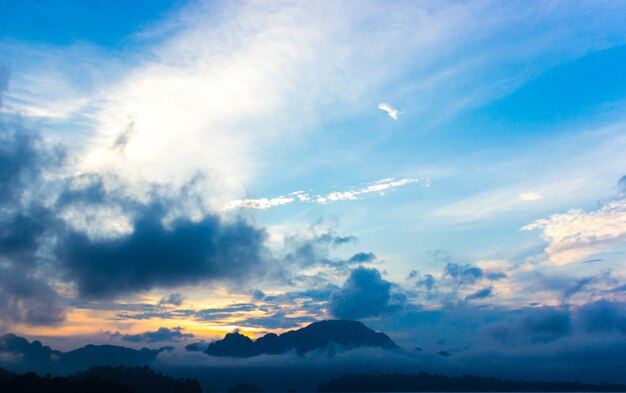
(25,297)
(156,255)
(364,294)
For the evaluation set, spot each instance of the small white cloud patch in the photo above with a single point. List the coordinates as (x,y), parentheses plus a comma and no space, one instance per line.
(393,113)
(529,196)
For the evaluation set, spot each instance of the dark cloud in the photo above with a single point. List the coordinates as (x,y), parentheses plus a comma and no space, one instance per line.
(315,251)
(364,294)
(85,188)
(305,254)
(603,316)
(450,287)
(25,298)
(257,294)
(463,274)
(174,299)
(538,325)
(18,162)
(21,232)
(156,255)
(428,282)
(162,334)
(124,138)
(480,294)
(337,240)
(362,257)
(546,325)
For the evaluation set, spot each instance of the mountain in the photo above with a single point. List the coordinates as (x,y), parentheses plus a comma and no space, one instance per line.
(318,335)
(17,354)
(111,355)
(22,355)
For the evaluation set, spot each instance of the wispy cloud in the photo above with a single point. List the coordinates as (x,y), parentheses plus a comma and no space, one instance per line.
(378,187)
(392,112)
(261,203)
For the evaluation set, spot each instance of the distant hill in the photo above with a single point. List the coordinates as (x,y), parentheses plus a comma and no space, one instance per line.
(21,356)
(424,382)
(316,336)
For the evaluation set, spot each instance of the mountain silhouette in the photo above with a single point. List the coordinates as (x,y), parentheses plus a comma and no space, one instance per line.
(111,355)
(20,355)
(316,336)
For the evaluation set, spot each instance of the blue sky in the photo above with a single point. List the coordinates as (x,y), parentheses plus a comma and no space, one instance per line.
(248,140)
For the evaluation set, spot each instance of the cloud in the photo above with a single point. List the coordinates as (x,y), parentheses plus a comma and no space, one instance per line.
(159,255)
(25,294)
(174,299)
(362,257)
(603,317)
(26,298)
(393,113)
(364,294)
(576,235)
(335,196)
(124,138)
(463,274)
(262,203)
(428,282)
(162,334)
(313,250)
(480,294)
(458,282)
(529,196)
(536,326)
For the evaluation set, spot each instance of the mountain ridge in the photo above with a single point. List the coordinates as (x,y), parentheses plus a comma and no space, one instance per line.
(316,336)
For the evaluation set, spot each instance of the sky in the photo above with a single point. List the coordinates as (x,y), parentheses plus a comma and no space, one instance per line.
(450,173)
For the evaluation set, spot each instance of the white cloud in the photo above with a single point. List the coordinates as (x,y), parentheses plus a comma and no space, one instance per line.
(261,203)
(393,113)
(576,235)
(334,196)
(529,196)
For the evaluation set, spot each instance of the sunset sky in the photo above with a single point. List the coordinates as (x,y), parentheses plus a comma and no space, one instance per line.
(450,173)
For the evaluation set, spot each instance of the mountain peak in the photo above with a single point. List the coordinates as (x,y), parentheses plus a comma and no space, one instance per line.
(316,336)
